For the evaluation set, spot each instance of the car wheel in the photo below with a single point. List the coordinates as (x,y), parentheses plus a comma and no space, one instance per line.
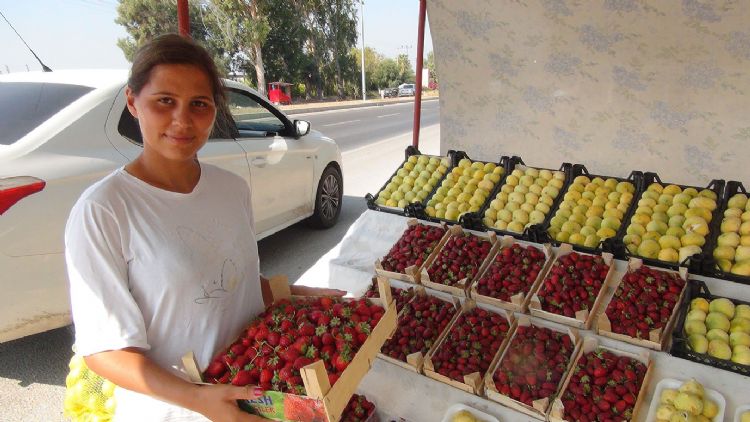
(328,199)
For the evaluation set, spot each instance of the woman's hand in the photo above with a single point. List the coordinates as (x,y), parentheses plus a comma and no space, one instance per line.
(314,291)
(219,402)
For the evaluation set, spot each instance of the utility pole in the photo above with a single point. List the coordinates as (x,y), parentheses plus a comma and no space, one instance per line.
(362,21)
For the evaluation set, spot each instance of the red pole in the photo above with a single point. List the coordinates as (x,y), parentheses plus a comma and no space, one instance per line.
(183,18)
(420,64)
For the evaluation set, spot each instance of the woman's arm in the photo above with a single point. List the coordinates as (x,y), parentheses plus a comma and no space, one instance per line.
(130,369)
(265,288)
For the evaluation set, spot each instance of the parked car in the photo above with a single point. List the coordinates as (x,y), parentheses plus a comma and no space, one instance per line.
(406,90)
(390,92)
(62,131)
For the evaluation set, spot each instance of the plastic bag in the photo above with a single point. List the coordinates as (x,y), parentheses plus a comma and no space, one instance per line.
(88,397)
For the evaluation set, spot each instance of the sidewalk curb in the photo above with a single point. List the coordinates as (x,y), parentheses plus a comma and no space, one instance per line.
(356,105)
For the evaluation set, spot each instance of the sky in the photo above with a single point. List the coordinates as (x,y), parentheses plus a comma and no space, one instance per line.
(71,34)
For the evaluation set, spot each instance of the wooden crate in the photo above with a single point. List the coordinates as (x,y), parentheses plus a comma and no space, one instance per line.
(518,302)
(557,410)
(540,407)
(584,318)
(658,338)
(473,383)
(412,274)
(415,361)
(462,286)
(322,398)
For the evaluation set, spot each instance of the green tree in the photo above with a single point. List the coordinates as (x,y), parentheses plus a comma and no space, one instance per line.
(430,64)
(387,74)
(405,71)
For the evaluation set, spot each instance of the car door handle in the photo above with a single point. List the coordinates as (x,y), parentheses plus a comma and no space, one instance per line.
(259,162)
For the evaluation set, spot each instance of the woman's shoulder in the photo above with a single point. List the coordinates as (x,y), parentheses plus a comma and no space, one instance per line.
(105,189)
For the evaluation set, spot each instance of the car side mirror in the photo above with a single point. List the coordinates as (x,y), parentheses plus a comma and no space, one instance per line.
(302,127)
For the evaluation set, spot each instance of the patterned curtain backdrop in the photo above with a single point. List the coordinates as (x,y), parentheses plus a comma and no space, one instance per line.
(617,85)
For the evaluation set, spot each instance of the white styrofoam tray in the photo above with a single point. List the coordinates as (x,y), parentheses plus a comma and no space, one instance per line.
(484,417)
(740,410)
(675,384)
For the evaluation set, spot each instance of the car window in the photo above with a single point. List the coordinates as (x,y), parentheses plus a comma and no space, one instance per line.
(223,128)
(26,105)
(251,117)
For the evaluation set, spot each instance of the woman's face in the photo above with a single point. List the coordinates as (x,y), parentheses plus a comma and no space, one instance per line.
(175,111)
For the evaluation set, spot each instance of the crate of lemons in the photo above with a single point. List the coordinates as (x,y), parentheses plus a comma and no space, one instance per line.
(88,397)
(719,328)
(592,210)
(670,223)
(414,181)
(464,189)
(525,199)
(732,252)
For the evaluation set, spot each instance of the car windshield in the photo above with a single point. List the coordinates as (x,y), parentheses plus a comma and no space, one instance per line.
(26,105)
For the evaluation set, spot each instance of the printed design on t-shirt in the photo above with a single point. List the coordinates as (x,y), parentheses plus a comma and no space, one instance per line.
(220,273)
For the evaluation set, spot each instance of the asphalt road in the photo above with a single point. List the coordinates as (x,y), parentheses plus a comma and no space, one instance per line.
(356,127)
(33,369)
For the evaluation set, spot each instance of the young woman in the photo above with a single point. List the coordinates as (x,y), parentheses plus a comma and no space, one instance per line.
(161,254)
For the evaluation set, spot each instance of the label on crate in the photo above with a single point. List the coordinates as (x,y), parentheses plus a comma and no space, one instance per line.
(286,407)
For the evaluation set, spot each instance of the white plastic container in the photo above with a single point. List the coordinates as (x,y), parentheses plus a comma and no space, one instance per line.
(481,416)
(740,410)
(675,384)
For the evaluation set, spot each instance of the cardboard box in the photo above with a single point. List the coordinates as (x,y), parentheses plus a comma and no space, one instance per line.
(658,338)
(415,360)
(541,406)
(461,288)
(557,410)
(412,274)
(473,383)
(585,317)
(323,402)
(520,301)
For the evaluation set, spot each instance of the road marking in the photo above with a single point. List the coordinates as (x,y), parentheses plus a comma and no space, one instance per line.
(341,123)
(388,115)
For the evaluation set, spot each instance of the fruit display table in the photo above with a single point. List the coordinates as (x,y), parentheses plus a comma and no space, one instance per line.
(400,394)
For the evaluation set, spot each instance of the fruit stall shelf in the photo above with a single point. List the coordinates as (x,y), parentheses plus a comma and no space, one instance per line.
(698,288)
(475,220)
(658,338)
(410,151)
(419,209)
(711,268)
(694,263)
(612,245)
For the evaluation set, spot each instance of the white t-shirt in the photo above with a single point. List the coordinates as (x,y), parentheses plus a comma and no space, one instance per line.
(162,271)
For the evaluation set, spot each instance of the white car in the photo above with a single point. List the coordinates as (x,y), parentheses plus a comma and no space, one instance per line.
(406,90)
(62,131)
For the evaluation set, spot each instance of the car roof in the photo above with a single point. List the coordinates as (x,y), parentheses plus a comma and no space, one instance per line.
(94,78)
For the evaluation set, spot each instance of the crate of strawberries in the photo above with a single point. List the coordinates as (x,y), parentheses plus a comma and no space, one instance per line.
(421,324)
(605,384)
(400,295)
(644,307)
(461,257)
(574,288)
(408,255)
(511,274)
(472,344)
(308,354)
(532,368)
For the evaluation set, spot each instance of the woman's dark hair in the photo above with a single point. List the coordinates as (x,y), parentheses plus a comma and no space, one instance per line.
(174,49)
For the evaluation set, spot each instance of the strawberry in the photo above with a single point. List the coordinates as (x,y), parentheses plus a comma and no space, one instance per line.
(644,301)
(470,344)
(533,364)
(573,284)
(513,271)
(359,409)
(420,323)
(412,248)
(597,398)
(459,259)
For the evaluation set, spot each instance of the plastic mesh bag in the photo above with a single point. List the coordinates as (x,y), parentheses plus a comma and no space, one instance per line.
(88,397)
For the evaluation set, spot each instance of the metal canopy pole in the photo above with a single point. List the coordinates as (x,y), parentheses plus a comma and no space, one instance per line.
(420,55)
(183,18)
